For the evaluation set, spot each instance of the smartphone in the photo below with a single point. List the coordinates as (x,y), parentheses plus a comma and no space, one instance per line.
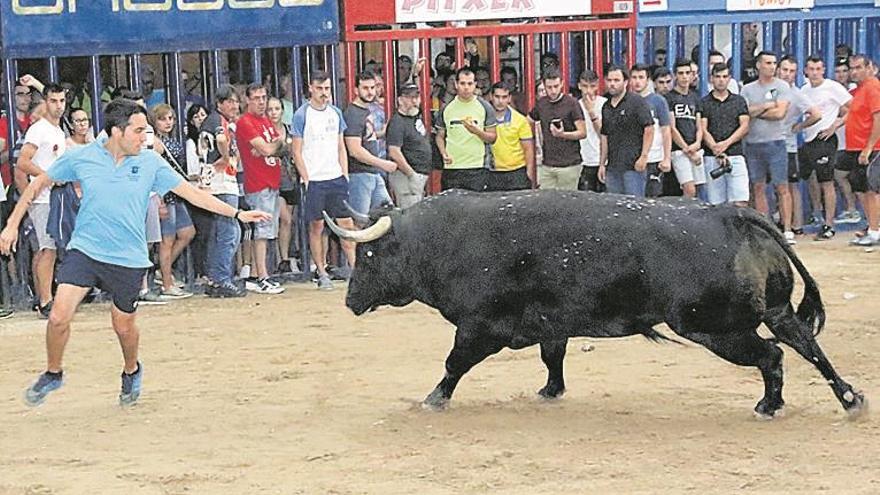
(456,122)
(556,123)
(150,140)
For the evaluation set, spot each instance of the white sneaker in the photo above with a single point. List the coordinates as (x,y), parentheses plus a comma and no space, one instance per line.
(263,286)
(244,271)
(789,238)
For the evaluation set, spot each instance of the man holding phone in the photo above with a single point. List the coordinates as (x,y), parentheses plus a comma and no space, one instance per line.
(465,134)
(563,126)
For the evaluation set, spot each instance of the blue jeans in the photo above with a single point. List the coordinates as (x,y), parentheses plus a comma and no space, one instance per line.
(367,191)
(223,244)
(625,182)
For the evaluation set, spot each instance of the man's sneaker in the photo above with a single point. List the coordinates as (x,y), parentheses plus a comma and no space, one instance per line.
(244,271)
(263,286)
(149,298)
(825,234)
(226,290)
(789,238)
(6,313)
(848,217)
(324,282)
(339,273)
(131,386)
(174,293)
(284,267)
(45,310)
(867,241)
(36,394)
(816,220)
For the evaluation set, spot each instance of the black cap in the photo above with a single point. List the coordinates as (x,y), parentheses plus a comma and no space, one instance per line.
(409,89)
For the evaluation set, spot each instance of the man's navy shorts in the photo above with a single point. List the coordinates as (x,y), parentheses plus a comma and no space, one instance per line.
(326,195)
(121,282)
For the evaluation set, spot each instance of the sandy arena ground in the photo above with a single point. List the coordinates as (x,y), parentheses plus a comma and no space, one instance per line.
(291,394)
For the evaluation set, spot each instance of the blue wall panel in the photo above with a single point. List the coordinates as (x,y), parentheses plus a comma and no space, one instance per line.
(43,28)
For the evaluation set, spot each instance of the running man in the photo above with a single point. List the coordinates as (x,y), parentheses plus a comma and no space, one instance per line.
(108,248)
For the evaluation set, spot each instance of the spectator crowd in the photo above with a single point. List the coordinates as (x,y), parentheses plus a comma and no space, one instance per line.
(652,132)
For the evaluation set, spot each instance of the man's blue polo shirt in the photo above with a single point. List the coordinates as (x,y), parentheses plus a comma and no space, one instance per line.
(111,223)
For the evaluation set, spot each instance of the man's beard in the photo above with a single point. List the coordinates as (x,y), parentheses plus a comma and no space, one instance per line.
(412,112)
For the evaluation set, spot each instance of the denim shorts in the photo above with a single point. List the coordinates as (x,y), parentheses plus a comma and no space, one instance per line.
(178,218)
(326,195)
(767,159)
(121,282)
(730,187)
(265,200)
(367,191)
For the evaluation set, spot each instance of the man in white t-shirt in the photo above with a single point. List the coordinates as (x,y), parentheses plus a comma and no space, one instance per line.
(819,152)
(591,104)
(318,150)
(44,142)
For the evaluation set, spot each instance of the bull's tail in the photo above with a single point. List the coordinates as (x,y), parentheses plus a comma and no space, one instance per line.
(811,311)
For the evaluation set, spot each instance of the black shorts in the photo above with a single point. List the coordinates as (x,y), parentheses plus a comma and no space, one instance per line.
(513,180)
(820,156)
(863,178)
(793,166)
(844,162)
(590,180)
(291,197)
(471,179)
(121,282)
(326,195)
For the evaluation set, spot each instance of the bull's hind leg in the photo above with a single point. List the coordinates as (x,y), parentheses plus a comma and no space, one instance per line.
(793,333)
(472,345)
(553,353)
(747,348)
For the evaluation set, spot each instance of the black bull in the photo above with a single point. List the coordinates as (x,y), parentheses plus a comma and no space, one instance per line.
(518,269)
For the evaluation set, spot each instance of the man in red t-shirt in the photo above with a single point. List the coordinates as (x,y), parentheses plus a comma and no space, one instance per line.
(259,146)
(863,143)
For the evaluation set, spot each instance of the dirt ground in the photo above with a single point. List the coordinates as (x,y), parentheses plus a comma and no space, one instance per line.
(291,394)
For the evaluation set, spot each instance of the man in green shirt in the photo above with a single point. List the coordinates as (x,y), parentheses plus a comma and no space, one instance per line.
(465,134)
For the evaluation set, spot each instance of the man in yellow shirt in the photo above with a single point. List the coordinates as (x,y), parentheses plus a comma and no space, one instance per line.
(514,149)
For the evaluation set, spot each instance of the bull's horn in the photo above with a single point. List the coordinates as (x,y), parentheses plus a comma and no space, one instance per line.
(377,230)
(359,217)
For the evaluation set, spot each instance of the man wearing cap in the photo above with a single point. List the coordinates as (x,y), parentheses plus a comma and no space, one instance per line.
(409,146)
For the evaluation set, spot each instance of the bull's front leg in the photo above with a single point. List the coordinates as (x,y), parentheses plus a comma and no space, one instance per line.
(472,345)
(553,353)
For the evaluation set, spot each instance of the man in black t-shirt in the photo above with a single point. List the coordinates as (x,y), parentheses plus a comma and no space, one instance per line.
(724,122)
(687,138)
(365,182)
(626,136)
(409,145)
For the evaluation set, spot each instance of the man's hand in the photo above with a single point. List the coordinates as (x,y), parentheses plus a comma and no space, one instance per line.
(556,131)
(254,216)
(8,238)
(163,212)
(826,134)
(469,125)
(388,166)
(864,156)
(447,159)
(720,148)
(641,164)
(601,174)
(665,165)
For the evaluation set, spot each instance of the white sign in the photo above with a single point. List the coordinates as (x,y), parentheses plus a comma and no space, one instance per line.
(471,10)
(656,5)
(770,4)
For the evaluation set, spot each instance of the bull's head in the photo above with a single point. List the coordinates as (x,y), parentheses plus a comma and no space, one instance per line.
(380,275)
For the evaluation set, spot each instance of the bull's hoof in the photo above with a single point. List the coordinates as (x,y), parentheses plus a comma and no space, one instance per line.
(551,392)
(855,404)
(435,401)
(765,411)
